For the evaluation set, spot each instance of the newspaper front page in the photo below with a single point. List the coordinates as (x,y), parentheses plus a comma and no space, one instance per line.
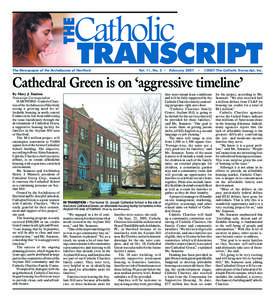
(136,153)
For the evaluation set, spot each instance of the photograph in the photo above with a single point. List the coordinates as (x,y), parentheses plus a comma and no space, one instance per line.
(38,39)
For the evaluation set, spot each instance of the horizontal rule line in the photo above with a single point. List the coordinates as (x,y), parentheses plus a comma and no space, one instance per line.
(235,289)
(143,66)
(110,11)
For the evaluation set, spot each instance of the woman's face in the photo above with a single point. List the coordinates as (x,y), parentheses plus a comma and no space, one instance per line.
(42,37)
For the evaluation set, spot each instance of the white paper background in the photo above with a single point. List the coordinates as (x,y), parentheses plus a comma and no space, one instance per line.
(201,20)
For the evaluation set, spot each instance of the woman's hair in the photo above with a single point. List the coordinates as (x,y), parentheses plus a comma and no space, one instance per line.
(21,23)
